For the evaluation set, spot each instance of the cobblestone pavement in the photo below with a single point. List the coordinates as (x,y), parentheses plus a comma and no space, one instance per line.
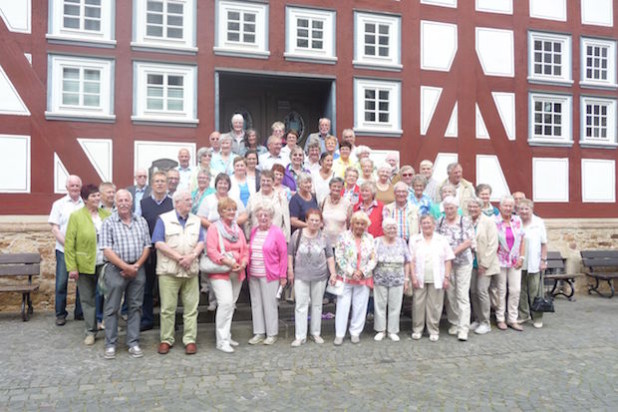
(570,364)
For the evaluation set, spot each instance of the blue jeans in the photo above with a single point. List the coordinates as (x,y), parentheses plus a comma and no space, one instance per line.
(100,302)
(62,282)
(149,291)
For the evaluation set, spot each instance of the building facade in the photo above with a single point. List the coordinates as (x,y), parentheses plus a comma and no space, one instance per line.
(522,93)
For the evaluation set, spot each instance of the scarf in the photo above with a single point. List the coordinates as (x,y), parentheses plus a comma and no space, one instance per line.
(231,233)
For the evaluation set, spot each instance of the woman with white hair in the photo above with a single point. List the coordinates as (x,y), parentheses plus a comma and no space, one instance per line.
(267,193)
(437,209)
(355,258)
(385,191)
(366,171)
(302,202)
(223,162)
(237,134)
(389,276)
(204,154)
(267,270)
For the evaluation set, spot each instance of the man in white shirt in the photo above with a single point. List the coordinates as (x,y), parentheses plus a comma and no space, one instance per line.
(139,190)
(59,220)
(184,169)
(268,159)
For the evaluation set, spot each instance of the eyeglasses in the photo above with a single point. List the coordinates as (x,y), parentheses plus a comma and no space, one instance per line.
(407,174)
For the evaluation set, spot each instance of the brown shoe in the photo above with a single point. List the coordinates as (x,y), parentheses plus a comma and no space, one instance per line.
(164,348)
(191,349)
(516,326)
(501,325)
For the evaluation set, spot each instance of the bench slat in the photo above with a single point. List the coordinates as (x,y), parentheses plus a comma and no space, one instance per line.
(20,258)
(597,262)
(603,254)
(19,288)
(16,270)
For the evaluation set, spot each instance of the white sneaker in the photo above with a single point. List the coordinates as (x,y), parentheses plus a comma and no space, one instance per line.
(233,342)
(462,335)
(538,324)
(355,338)
(338,341)
(225,347)
(453,330)
(317,339)
(394,337)
(379,336)
(417,335)
(483,329)
(434,338)
(270,340)
(474,325)
(257,338)
(89,340)
(297,342)
(110,353)
(136,351)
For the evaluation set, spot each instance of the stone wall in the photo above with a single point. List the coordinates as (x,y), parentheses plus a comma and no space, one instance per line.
(20,234)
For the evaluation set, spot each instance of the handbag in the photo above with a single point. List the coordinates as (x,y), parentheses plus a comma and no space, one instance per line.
(336,289)
(542,303)
(208,266)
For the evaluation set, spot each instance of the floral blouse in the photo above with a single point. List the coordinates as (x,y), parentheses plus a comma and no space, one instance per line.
(389,270)
(508,257)
(456,234)
(346,256)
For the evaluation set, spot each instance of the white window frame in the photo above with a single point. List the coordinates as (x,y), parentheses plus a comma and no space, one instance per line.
(142,114)
(610,140)
(141,39)
(363,127)
(586,81)
(566,77)
(101,38)
(390,62)
(55,107)
(327,54)
(259,49)
(566,123)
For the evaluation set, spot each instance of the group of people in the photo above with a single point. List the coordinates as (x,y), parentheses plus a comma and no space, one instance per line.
(313,222)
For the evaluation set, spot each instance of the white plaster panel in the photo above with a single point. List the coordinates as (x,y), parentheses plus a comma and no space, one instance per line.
(496,52)
(17,15)
(99,152)
(28,57)
(489,171)
(10,101)
(598,181)
(379,156)
(15,164)
(441,163)
(60,175)
(481,129)
(549,9)
(505,103)
(495,6)
(597,12)
(452,127)
(443,3)
(147,152)
(429,100)
(438,45)
(550,179)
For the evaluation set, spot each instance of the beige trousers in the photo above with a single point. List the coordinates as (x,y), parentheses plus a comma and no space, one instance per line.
(458,297)
(427,309)
(508,278)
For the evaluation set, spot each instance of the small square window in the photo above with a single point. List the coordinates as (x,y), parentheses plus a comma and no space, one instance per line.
(378,109)
(241,29)
(165,24)
(310,35)
(598,122)
(598,62)
(550,57)
(377,44)
(81,21)
(550,122)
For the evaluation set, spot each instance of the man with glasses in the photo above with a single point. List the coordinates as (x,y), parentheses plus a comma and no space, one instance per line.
(139,190)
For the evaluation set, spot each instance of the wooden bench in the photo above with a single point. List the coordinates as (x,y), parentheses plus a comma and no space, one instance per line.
(17,265)
(600,266)
(556,272)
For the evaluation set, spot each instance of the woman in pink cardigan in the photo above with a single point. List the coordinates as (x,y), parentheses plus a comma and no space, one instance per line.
(267,270)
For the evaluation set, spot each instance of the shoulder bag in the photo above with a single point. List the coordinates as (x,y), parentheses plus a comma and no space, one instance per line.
(208,266)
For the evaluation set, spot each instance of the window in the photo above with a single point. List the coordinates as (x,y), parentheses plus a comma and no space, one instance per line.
(165,93)
(598,124)
(310,34)
(549,58)
(598,62)
(550,119)
(378,107)
(241,29)
(165,24)
(89,21)
(80,88)
(377,41)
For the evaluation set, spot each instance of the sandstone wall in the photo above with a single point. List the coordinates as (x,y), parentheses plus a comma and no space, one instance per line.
(33,234)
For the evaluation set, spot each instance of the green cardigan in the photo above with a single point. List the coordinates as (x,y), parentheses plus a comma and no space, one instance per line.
(80,242)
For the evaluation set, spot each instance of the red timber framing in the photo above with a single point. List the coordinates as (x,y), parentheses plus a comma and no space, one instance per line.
(465,84)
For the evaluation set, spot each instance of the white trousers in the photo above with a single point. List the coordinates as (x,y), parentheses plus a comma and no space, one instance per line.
(308,291)
(264,306)
(508,278)
(387,297)
(226,291)
(357,296)
(458,297)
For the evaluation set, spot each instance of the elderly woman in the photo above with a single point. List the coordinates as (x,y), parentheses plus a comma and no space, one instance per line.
(312,162)
(278,186)
(371,207)
(268,263)
(295,168)
(405,213)
(385,191)
(241,188)
(202,190)
(389,276)
(237,133)
(351,190)
(310,259)
(291,138)
(208,212)
(323,176)
(253,173)
(437,209)
(535,261)
(252,142)
(226,245)
(336,211)
(459,233)
(83,257)
(223,162)
(418,197)
(203,157)
(511,257)
(366,171)
(344,161)
(355,256)
(330,143)
(485,266)
(431,268)
(392,158)
(483,192)
(406,173)
(267,193)
(302,202)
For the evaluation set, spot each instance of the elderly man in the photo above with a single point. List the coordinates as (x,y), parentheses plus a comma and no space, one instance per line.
(464,190)
(126,244)
(237,134)
(179,240)
(431,190)
(268,159)
(321,135)
(173,179)
(518,197)
(59,220)
(185,170)
(139,190)
(405,214)
(213,139)
(108,193)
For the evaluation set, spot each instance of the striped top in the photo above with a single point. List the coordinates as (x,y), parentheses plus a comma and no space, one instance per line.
(257,268)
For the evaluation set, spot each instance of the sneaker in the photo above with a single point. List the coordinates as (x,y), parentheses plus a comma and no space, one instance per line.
(270,340)
(110,353)
(124,317)
(483,329)
(379,336)
(453,330)
(232,342)
(89,341)
(462,335)
(61,321)
(101,326)
(355,338)
(136,351)
(257,338)
(338,341)
(394,337)
(317,339)
(434,338)
(297,342)
(538,324)
(225,347)
(417,335)
(474,325)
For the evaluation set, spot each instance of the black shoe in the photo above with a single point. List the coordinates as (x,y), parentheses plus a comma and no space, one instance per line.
(143,328)
(61,321)
(78,317)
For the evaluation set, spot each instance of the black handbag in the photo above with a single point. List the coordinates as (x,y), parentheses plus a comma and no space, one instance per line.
(542,303)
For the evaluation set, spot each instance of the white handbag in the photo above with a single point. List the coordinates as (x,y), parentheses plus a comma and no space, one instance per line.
(337,288)
(208,266)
